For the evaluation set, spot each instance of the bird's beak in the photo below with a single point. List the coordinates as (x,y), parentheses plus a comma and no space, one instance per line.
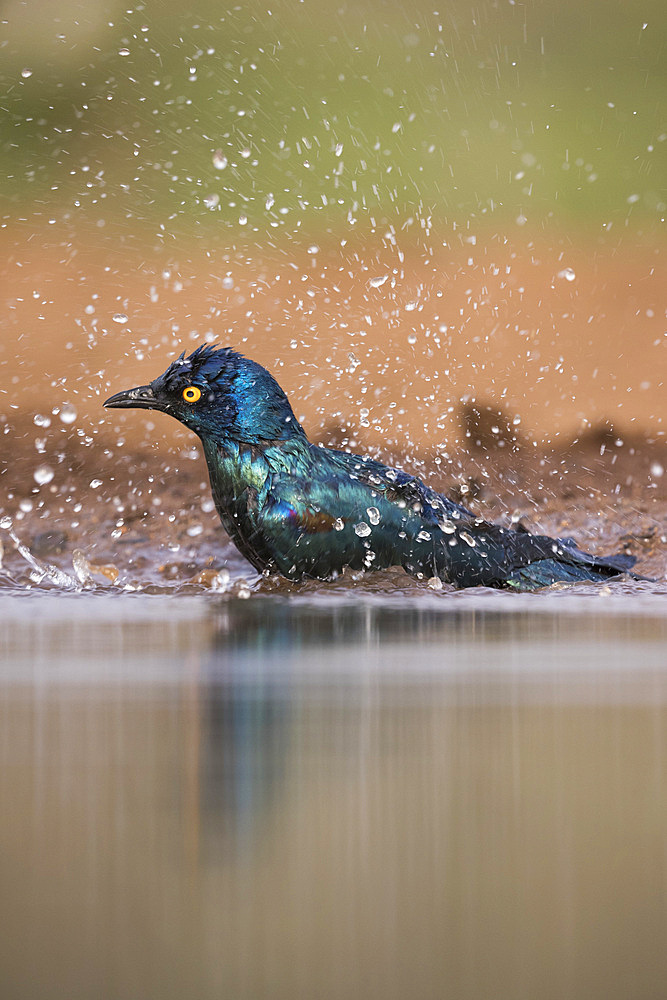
(140,398)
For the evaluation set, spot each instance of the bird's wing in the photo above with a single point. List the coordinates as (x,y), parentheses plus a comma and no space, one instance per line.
(331,509)
(334,510)
(398,487)
(439,537)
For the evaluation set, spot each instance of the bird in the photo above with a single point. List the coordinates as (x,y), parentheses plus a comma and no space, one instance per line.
(305,511)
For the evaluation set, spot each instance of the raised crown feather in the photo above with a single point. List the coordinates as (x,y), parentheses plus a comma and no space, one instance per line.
(206,363)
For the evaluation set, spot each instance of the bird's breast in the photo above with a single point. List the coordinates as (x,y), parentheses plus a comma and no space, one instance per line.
(239,478)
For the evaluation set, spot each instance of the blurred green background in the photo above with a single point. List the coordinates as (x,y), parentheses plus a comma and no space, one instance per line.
(271,121)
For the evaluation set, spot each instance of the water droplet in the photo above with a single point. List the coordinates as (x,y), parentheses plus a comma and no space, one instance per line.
(354,363)
(468,539)
(362,529)
(270,201)
(567,273)
(26,505)
(194,530)
(68,413)
(221,580)
(41,421)
(243,220)
(379,281)
(26,73)
(373,515)
(6,522)
(120,318)
(339,524)
(212,200)
(123,52)
(95,484)
(435,583)
(43,474)
(228,282)
(657,470)
(424,536)
(447,526)
(338,149)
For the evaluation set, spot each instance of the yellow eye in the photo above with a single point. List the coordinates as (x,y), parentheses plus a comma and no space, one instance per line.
(191,394)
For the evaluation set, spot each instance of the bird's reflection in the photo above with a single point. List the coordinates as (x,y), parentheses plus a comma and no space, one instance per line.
(243,734)
(250,701)
(278,669)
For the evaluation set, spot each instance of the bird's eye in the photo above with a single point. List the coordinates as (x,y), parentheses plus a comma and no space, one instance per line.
(191,394)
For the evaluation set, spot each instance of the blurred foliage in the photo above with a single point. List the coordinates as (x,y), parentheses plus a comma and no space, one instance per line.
(262,120)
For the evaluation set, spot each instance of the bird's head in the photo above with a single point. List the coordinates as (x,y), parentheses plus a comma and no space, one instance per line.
(219,395)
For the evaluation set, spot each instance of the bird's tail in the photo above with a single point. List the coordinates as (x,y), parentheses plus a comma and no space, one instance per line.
(572,566)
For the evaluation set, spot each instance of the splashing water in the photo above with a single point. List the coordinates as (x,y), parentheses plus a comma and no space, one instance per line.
(40,572)
(362,529)
(43,475)
(68,413)
(373,515)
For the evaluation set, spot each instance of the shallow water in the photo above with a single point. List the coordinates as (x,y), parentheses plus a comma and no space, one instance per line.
(359,793)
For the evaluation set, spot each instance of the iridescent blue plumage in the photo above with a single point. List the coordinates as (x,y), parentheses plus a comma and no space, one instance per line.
(301,510)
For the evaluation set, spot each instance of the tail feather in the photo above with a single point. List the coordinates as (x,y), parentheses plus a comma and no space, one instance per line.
(621,561)
(574,566)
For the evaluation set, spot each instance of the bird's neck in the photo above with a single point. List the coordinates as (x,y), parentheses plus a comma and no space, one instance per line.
(235,467)
(241,473)
(244,458)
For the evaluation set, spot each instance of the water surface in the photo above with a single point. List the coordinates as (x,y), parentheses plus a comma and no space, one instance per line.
(338,796)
